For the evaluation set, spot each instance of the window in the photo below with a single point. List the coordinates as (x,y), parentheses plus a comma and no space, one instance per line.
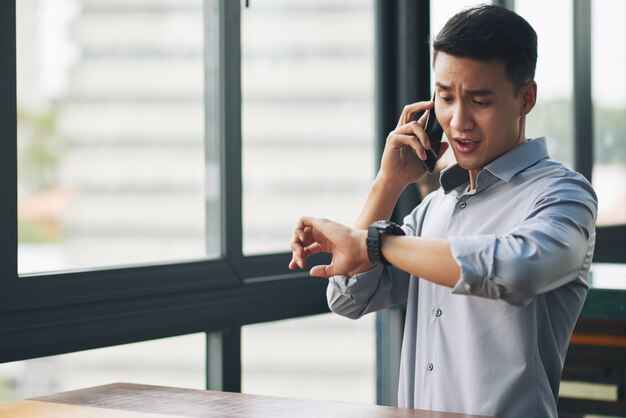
(115,166)
(175,361)
(608,54)
(307,115)
(307,149)
(440,12)
(320,357)
(552,116)
(146,92)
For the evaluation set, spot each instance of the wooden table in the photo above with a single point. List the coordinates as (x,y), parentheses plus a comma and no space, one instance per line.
(124,400)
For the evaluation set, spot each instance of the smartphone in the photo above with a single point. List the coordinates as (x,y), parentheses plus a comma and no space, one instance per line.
(435,132)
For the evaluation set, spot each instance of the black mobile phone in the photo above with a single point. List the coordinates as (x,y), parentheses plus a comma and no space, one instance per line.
(435,132)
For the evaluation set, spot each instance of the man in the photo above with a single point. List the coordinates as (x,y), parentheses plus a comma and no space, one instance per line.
(494,264)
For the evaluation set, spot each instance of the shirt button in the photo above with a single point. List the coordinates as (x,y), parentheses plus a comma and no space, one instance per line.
(462,204)
(437,312)
(430,367)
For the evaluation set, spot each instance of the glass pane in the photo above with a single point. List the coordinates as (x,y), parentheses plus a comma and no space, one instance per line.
(111,133)
(177,362)
(608,276)
(552,116)
(608,71)
(441,11)
(308,115)
(322,357)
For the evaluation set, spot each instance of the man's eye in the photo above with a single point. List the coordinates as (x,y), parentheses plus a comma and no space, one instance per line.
(480,103)
(446,99)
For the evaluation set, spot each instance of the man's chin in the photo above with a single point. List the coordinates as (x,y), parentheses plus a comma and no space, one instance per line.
(469,165)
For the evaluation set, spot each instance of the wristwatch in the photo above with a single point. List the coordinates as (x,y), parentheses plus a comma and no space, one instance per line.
(373,242)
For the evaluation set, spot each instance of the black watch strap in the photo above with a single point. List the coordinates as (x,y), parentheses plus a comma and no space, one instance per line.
(373,242)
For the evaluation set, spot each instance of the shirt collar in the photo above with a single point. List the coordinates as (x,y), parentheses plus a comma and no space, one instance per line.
(504,167)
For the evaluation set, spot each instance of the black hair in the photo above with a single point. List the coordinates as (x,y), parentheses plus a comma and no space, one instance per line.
(489,32)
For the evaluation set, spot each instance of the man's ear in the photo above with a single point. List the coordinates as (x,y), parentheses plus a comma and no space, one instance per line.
(528,93)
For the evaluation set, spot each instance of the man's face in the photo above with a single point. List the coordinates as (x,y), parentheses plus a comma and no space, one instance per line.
(478,109)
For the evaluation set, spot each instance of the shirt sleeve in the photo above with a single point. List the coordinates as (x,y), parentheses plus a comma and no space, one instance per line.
(545,251)
(378,288)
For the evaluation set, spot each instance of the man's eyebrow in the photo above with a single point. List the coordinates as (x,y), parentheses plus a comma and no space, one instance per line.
(474,92)
(479,92)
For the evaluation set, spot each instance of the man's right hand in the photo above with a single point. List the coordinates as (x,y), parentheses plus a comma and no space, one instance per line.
(406,146)
(400,165)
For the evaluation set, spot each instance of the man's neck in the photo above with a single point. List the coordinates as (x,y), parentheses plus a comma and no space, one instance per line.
(473,175)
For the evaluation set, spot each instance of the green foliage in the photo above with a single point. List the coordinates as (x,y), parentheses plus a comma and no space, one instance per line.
(39,149)
(39,156)
(36,232)
(554,121)
(6,389)
(609,132)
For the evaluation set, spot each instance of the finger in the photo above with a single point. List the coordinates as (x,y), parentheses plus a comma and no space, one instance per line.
(297,247)
(325,271)
(298,259)
(296,240)
(302,250)
(313,249)
(423,118)
(293,264)
(300,240)
(297,255)
(305,221)
(302,237)
(398,140)
(304,234)
(411,109)
(298,251)
(415,129)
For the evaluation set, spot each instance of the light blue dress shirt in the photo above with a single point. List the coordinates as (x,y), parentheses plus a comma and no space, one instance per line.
(496,342)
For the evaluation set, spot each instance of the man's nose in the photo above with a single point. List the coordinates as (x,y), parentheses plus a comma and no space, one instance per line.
(461,118)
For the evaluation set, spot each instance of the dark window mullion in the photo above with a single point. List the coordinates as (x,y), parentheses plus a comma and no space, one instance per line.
(402,77)
(8,151)
(230,99)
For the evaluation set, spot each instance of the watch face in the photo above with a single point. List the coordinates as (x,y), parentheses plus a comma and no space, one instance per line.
(382,225)
(388,227)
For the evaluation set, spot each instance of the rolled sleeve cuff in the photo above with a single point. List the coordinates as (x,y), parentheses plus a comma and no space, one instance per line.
(360,284)
(475,255)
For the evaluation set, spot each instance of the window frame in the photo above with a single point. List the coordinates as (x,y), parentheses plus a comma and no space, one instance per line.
(610,239)
(61,312)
